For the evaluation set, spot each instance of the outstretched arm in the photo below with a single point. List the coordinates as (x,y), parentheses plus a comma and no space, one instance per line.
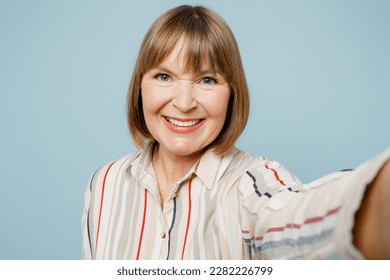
(372,227)
(343,215)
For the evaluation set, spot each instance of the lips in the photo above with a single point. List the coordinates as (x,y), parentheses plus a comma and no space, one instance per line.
(183,126)
(183,123)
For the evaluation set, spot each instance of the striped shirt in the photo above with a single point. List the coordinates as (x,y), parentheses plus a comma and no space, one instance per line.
(226,207)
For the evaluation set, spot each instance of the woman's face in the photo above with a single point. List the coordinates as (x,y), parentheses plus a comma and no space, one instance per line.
(184,112)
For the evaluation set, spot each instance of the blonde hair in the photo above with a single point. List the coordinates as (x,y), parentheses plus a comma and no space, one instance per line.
(210,38)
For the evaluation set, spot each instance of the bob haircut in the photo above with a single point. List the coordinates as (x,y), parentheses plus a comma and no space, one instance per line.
(209,39)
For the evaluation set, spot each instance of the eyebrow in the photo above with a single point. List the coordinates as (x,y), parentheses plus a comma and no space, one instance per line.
(200,73)
(164,69)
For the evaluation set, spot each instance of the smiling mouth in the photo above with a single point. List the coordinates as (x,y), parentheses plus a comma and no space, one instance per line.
(183,123)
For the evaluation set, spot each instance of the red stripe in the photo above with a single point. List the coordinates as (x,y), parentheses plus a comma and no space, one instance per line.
(275,229)
(314,220)
(319,219)
(276,175)
(188,218)
(252,238)
(297,226)
(333,211)
(143,223)
(101,206)
(196,166)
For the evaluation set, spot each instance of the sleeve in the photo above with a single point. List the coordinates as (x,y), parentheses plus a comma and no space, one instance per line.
(86,238)
(89,216)
(93,198)
(284,219)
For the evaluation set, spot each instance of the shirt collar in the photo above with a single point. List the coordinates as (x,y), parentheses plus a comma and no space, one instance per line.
(209,168)
(141,161)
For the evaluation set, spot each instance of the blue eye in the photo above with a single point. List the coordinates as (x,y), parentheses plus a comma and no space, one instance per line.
(209,81)
(162,77)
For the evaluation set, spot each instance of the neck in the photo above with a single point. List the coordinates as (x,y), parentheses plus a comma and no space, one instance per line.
(169,168)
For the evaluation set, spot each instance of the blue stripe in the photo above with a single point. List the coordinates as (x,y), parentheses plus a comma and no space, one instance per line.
(173,222)
(255,186)
(294,243)
(88,229)
(89,233)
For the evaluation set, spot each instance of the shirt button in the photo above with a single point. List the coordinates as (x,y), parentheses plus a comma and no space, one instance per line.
(163,234)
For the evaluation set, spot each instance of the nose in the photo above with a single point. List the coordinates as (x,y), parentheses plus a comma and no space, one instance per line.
(183,99)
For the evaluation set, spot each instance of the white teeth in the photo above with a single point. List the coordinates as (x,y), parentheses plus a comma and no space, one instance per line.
(180,123)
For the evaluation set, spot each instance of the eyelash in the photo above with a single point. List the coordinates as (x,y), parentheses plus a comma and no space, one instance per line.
(214,81)
(159,76)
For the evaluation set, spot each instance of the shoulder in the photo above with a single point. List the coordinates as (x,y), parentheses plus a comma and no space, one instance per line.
(111,171)
(257,173)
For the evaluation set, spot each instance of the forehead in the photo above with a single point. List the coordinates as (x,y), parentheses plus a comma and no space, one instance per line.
(188,58)
(182,57)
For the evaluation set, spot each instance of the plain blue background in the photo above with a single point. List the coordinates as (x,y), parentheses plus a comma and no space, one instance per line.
(318,71)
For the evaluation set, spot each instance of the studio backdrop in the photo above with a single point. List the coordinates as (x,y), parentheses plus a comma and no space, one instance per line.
(318,72)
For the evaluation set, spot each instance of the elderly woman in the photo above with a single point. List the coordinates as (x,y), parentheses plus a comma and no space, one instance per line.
(190,194)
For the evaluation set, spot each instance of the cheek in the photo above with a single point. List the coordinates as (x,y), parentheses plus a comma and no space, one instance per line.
(147,104)
(152,99)
(217,105)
